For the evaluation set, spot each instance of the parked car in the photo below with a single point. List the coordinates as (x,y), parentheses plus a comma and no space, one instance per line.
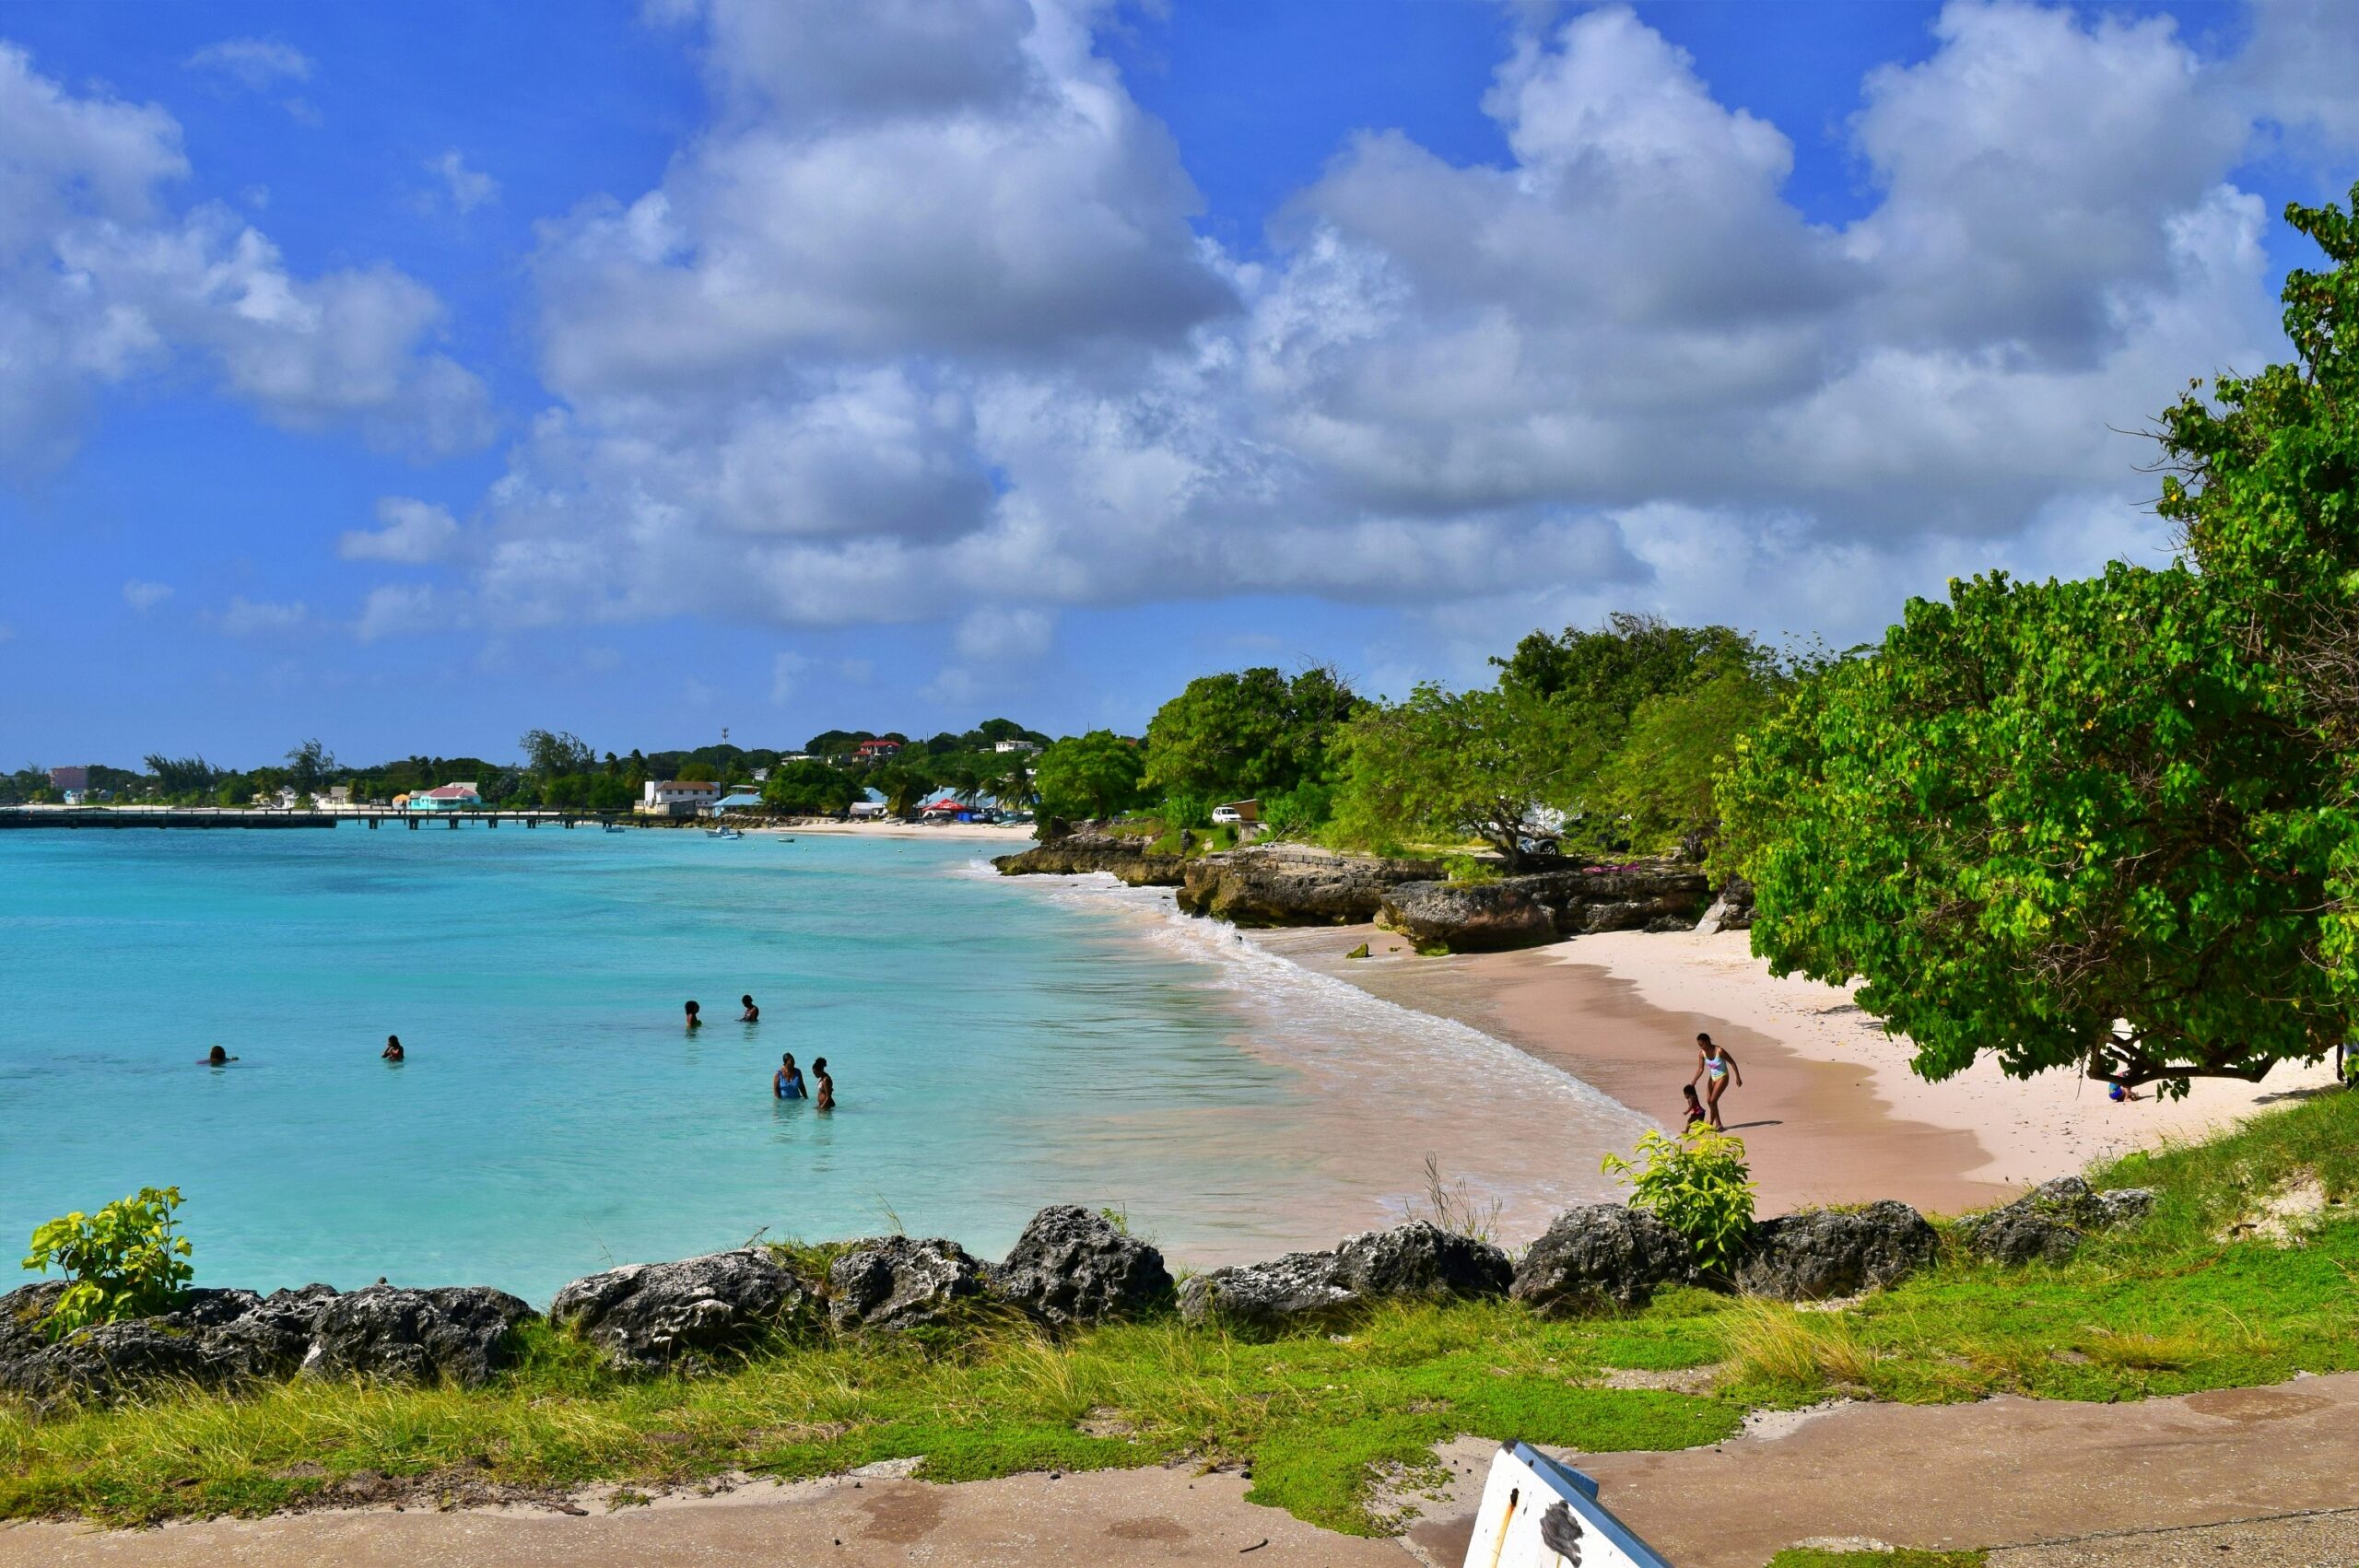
(1226,816)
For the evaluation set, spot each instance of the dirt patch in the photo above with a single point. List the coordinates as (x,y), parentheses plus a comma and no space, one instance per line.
(1155,1527)
(2285,1218)
(1677,1380)
(903,1516)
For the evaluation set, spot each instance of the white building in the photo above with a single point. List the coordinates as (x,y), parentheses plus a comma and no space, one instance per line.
(1026,746)
(677,797)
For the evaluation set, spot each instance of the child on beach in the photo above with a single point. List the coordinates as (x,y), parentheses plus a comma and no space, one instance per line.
(827,1100)
(1695,1107)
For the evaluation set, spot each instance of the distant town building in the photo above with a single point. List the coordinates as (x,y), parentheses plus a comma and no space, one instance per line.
(738,801)
(948,809)
(868,751)
(75,779)
(1026,746)
(761,776)
(75,797)
(677,797)
(449,798)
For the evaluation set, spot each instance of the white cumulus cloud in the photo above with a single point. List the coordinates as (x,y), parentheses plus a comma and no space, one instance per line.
(411,533)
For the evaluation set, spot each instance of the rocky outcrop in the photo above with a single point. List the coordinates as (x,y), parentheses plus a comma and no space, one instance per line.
(1126,858)
(1599,1256)
(1467,917)
(1519,910)
(1071,1266)
(457,1333)
(899,1283)
(647,1315)
(1416,1260)
(1819,1254)
(217,1338)
(1731,911)
(2050,1221)
(1290,884)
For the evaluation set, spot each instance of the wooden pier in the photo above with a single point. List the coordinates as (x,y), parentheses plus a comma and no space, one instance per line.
(104,817)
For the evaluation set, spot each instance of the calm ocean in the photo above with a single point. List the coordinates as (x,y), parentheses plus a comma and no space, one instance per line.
(996,1045)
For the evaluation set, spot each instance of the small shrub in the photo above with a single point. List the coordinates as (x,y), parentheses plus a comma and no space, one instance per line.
(1454,1207)
(1698,1185)
(1471,870)
(124,1260)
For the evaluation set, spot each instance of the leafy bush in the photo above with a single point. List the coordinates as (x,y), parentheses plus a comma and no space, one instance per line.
(1471,870)
(124,1260)
(1698,1185)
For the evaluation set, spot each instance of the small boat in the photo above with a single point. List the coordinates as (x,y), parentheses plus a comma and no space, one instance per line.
(616,827)
(722,833)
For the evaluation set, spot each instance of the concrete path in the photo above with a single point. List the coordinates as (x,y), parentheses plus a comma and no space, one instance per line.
(2252,1476)
(2005,1472)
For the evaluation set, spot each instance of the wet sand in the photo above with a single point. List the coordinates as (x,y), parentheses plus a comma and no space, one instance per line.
(1830,1111)
(1816,1131)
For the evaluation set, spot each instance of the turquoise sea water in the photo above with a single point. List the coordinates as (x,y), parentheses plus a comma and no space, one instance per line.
(995,1045)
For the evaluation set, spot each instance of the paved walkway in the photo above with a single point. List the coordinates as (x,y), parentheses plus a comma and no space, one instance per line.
(2252,1476)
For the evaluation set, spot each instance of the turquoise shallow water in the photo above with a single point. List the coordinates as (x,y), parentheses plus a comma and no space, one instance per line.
(997,1044)
(553,1115)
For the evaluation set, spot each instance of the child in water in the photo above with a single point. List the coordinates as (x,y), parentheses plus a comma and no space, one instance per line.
(827,1100)
(752,1014)
(216,1057)
(392,1051)
(694,1022)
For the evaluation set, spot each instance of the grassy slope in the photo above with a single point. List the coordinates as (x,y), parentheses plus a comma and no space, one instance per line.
(2161,1309)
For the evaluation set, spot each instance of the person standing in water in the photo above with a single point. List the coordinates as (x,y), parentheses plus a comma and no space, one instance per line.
(827,1100)
(1714,1064)
(752,1014)
(694,1022)
(787,1082)
(216,1057)
(392,1051)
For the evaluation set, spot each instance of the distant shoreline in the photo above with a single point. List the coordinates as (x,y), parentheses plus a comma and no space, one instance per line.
(1011,834)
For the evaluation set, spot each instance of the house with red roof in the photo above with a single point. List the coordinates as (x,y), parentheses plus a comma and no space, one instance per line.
(877,750)
(446,798)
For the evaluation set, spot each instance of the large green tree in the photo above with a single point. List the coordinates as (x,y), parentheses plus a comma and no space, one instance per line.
(812,789)
(1447,765)
(1247,733)
(1095,776)
(1614,668)
(2107,821)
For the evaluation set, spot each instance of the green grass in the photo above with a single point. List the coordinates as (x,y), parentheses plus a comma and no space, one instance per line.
(2163,1308)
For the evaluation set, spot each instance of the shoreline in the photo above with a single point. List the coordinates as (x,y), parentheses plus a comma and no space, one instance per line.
(1830,1111)
(987,831)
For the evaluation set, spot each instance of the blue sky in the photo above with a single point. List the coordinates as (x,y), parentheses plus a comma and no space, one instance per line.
(413,376)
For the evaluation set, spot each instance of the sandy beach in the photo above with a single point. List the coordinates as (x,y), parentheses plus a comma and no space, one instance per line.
(1829,1110)
(1016,835)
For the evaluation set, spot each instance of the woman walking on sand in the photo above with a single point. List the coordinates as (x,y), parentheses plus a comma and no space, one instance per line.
(1714,1063)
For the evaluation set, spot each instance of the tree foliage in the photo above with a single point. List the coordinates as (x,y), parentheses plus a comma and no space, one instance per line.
(1095,776)
(1247,733)
(553,754)
(1447,765)
(309,766)
(811,789)
(1614,668)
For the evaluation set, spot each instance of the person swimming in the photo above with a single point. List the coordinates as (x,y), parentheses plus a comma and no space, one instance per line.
(392,1051)
(752,1014)
(694,1022)
(787,1081)
(216,1057)
(827,1100)
(1714,1062)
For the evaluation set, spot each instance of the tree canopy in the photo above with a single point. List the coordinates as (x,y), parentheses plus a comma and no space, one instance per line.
(1453,764)
(2106,822)
(810,787)
(1247,733)
(1095,776)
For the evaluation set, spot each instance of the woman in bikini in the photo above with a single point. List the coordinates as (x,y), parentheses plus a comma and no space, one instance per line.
(1714,1064)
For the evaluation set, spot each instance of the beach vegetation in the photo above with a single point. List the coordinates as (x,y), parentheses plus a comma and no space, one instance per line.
(126,1260)
(1321,1416)
(2105,823)
(809,789)
(1698,1184)
(1247,734)
(1095,776)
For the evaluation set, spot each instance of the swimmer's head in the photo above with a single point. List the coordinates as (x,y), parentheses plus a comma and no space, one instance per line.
(745,1000)
(692,1010)
(216,1056)
(818,1064)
